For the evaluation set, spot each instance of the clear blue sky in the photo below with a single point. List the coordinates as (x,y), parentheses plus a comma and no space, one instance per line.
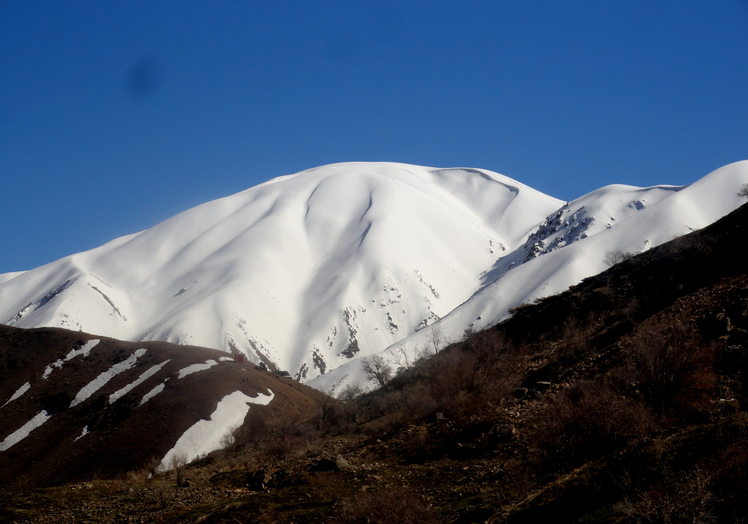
(117,115)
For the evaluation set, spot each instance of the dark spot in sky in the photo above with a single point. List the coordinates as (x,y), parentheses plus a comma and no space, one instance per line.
(144,78)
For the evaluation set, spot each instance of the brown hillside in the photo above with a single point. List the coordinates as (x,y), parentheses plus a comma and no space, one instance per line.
(620,400)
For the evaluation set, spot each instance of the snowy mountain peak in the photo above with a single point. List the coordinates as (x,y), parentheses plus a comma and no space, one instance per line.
(302,272)
(309,272)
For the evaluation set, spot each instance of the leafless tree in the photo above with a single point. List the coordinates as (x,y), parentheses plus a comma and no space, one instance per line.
(349,396)
(350,392)
(325,406)
(436,338)
(400,358)
(378,369)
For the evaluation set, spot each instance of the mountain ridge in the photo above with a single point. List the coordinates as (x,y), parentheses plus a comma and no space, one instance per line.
(309,272)
(554,414)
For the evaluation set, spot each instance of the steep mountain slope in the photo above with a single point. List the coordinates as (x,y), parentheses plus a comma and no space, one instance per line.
(310,272)
(570,245)
(302,272)
(76,406)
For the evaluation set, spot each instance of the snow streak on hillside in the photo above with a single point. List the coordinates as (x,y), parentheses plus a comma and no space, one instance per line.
(310,272)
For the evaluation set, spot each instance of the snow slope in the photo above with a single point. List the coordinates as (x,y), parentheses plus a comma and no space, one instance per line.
(311,271)
(303,272)
(570,245)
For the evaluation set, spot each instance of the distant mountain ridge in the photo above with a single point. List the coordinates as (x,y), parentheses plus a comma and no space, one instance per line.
(310,272)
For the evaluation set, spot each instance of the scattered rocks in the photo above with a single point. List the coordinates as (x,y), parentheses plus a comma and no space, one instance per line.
(337,463)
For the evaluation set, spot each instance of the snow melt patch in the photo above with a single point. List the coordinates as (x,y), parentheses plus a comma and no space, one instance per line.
(205,435)
(23,432)
(84,350)
(152,393)
(194,368)
(83,434)
(132,385)
(20,391)
(99,382)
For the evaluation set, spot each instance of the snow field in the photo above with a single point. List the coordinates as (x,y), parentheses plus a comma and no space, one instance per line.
(206,436)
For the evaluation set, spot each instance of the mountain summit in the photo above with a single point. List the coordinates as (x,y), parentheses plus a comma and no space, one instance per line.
(309,272)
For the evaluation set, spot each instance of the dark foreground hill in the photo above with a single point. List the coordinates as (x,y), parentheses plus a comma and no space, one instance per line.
(620,400)
(104,407)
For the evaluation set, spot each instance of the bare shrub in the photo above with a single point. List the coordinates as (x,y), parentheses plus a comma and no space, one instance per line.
(387,507)
(399,408)
(669,367)
(326,410)
(585,422)
(151,465)
(743,191)
(277,435)
(461,381)
(228,440)
(436,338)
(291,441)
(177,463)
(616,257)
(350,397)
(576,339)
(399,356)
(162,495)
(377,369)
(731,478)
(683,498)
(484,369)
(256,427)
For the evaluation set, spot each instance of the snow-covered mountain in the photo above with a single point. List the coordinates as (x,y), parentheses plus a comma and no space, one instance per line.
(311,271)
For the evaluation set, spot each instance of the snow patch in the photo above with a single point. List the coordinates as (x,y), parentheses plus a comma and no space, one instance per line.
(84,350)
(20,391)
(83,434)
(194,368)
(132,385)
(152,393)
(23,432)
(99,382)
(205,435)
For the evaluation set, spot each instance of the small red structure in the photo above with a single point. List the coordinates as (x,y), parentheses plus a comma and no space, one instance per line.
(239,358)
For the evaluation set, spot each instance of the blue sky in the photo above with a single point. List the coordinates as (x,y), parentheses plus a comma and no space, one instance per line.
(117,115)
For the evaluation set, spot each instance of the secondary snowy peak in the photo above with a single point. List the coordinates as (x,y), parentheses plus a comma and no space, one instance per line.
(303,272)
(570,244)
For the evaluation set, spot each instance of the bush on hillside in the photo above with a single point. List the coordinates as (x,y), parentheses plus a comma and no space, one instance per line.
(387,507)
(584,422)
(669,368)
